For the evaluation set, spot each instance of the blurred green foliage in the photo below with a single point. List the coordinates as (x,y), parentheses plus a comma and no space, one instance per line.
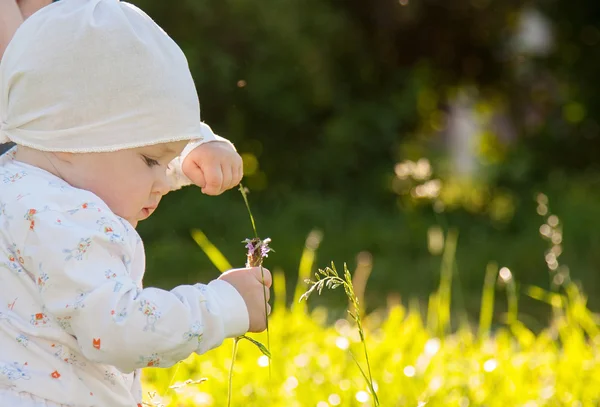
(324,98)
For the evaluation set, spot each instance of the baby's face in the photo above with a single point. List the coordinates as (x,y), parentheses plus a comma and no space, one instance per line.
(131,182)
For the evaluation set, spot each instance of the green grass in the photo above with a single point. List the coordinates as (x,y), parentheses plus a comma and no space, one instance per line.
(415,356)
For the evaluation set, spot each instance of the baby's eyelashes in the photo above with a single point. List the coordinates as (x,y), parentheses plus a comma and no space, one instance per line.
(150,161)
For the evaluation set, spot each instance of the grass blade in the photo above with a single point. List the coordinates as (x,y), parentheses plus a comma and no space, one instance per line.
(487,300)
(213,254)
(259,345)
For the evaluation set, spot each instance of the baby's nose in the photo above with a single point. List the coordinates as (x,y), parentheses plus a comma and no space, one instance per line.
(161,185)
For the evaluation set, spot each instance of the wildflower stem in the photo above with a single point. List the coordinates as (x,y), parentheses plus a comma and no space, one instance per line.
(229,392)
(243,191)
(262,273)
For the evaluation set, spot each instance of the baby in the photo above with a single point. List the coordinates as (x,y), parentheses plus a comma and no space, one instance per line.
(104,112)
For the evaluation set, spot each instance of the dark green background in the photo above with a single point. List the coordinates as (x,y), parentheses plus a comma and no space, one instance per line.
(330,103)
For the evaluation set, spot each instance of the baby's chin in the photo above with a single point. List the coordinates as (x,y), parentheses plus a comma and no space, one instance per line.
(132,222)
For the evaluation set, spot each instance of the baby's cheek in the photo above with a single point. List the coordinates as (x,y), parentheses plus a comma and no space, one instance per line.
(122,203)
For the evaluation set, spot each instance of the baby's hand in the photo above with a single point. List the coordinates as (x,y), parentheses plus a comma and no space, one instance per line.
(215,167)
(248,282)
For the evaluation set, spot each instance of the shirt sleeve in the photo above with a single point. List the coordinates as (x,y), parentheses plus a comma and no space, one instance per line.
(86,262)
(177,178)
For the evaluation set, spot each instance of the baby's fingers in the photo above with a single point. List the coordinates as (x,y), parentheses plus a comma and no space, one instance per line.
(227,177)
(239,173)
(213,176)
(263,275)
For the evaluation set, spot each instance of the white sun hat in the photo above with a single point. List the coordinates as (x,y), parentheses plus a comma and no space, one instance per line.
(95,76)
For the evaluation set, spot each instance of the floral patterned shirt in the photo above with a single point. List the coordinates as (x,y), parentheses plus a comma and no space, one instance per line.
(75,323)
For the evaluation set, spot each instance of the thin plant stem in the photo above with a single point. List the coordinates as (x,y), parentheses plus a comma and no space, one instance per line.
(364,343)
(357,318)
(229,390)
(262,273)
(173,377)
(255,259)
(330,278)
(243,191)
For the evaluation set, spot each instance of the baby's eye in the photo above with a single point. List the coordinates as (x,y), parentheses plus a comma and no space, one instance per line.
(150,161)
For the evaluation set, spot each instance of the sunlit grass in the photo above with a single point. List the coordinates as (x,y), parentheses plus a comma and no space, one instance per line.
(414,359)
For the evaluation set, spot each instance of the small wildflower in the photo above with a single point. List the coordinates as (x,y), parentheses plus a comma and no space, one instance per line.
(257,251)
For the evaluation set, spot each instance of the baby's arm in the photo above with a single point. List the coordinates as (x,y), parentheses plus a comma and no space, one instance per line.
(28,7)
(10,20)
(91,265)
(177,178)
(12,14)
